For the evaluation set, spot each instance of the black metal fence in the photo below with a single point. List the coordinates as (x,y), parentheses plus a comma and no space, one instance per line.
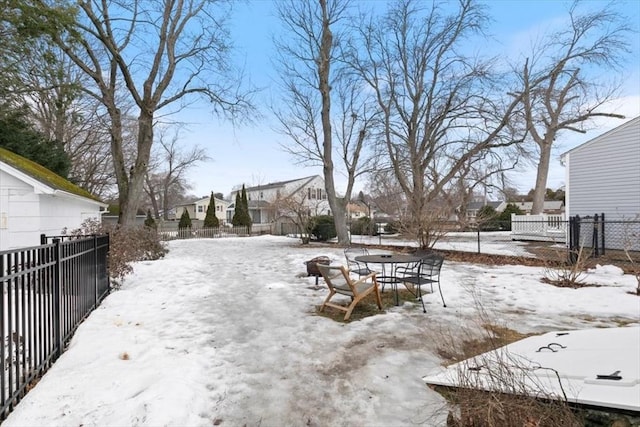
(603,237)
(47,291)
(551,239)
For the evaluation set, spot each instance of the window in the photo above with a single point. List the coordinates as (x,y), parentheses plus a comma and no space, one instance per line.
(200,208)
(261,195)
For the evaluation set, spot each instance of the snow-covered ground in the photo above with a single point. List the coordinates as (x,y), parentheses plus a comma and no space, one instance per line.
(225,332)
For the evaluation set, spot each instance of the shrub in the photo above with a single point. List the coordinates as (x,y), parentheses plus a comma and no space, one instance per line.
(566,274)
(241,215)
(488,219)
(126,245)
(505,215)
(211,220)
(150,222)
(363,226)
(324,228)
(246,218)
(185,220)
(392,227)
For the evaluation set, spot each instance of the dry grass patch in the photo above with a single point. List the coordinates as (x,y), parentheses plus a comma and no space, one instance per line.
(453,350)
(368,307)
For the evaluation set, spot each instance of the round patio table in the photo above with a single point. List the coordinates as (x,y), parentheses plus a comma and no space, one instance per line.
(388,276)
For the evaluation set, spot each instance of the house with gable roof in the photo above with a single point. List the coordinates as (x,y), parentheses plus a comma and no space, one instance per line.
(552,207)
(267,203)
(473,208)
(198,209)
(34,201)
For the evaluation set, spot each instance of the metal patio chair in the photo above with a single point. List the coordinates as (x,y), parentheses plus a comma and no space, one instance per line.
(355,266)
(340,282)
(427,272)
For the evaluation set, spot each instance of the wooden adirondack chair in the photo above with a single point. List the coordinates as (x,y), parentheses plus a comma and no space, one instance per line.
(339,282)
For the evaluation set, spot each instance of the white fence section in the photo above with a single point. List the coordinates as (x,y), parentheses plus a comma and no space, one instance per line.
(541,228)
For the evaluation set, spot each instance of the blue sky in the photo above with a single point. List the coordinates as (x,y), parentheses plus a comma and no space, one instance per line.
(252,154)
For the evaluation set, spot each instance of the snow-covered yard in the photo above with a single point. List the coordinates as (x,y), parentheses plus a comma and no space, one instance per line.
(225,332)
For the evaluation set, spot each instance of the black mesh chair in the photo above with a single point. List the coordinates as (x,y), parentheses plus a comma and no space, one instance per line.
(426,272)
(354,266)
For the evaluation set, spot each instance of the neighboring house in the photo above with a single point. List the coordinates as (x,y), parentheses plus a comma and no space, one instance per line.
(550,207)
(34,201)
(198,209)
(474,207)
(268,203)
(603,176)
(357,210)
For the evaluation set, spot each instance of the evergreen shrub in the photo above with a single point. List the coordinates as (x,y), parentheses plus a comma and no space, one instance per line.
(324,227)
(150,222)
(211,220)
(185,220)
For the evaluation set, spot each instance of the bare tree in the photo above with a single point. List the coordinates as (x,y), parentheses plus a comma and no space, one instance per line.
(386,194)
(68,117)
(167,170)
(438,114)
(90,154)
(563,84)
(313,79)
(297,208)
(156,55)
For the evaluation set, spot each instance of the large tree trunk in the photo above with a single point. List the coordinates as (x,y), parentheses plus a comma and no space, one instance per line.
(540,189)
(153,198)
(324,66)
(122,177)
(129,202)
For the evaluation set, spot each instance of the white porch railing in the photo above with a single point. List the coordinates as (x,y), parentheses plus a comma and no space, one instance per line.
(543,227)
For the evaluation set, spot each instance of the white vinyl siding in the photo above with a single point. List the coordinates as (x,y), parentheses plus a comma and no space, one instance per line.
(603,175)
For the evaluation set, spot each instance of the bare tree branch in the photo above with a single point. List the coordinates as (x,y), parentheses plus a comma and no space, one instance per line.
(561,82)
(326,115)
(152,54)
(441,111)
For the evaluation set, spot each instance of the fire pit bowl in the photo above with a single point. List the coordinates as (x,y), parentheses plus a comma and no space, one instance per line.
(312,268)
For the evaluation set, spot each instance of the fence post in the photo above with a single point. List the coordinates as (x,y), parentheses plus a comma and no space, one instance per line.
(95,271)
(478,231)
(594,236)
(574,238)
(602,233)
(57,298)
(43,239)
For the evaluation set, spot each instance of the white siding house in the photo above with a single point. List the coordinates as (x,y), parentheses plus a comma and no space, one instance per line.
(554,207)
(198,209)
(34,200)
(265,205)
(473,208)
(603,176)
